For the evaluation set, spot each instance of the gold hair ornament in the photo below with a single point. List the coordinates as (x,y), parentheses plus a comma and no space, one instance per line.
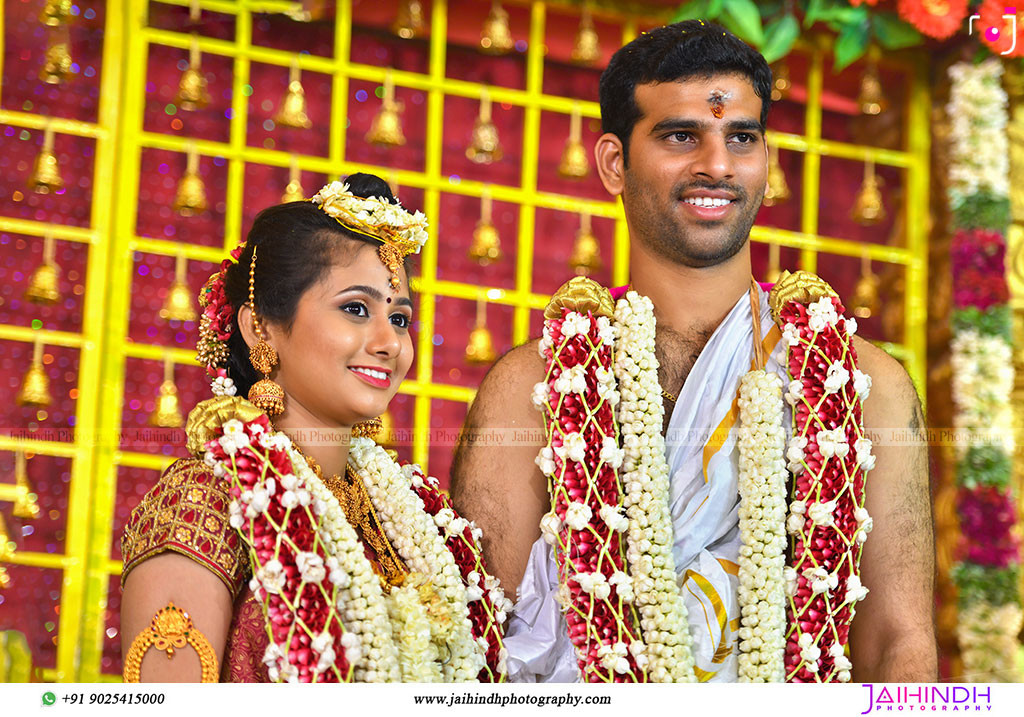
(171,629)
(400,232)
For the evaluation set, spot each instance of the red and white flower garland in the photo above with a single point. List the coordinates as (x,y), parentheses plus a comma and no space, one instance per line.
(327,616)
(829,456)
(582,402)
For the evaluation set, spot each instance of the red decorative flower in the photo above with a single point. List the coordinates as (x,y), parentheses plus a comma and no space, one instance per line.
(934,18)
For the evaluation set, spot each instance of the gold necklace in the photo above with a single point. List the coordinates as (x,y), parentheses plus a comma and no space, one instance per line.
(359,512)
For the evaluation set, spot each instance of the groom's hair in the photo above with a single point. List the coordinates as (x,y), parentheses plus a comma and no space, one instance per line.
(674,53)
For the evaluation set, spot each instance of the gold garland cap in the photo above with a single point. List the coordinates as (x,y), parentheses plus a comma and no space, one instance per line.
(801,286)
(581,295)
(209,415)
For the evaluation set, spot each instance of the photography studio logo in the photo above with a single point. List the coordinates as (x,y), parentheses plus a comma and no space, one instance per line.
(993,33)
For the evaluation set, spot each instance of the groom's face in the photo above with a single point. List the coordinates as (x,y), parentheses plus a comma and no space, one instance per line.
(698,167)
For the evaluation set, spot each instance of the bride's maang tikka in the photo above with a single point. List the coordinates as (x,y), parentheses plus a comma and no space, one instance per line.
(400,232)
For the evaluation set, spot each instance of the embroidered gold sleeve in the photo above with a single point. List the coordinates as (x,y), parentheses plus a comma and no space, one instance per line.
(187,512)
(170,630)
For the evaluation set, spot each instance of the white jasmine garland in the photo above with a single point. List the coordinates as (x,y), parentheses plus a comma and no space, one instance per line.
(644,476)
(762,512)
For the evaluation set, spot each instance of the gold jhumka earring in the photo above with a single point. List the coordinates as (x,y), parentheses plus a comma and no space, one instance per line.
(264,394)
(370,428)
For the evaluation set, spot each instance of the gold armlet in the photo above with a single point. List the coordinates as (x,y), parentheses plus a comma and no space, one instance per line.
(171,629)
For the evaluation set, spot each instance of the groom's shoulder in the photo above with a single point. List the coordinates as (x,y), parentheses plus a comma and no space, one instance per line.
(512,377)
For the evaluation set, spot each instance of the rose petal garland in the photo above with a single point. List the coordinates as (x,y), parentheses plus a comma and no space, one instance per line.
(488,606)
(327,616)
(828,456)
(586,520)
(762,515)
(988,575)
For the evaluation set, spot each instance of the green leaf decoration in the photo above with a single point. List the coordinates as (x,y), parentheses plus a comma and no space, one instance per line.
(747,19)
(978,583)
(893,33)
(850,46)
(779,37)
(984,466)
(994,321)
(982,210)
(694,10)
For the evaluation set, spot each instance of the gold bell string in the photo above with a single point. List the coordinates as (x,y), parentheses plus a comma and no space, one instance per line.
(781,83)
(293,191)
(192,87)
(864,301)
(774,271)
(167,413)
(57,60)
(45,176)
(386,129)
(43,285)
(409,21)
(480,347)
(870,98)
(35,387)
(485,147)
(25,505)
(778,189)
(496,37)
(586,251)
(586,49)
(868,207)
(486,246)
(6,553)
(293,106)
(191,196)
(55,13)
(574,163)
(178,304)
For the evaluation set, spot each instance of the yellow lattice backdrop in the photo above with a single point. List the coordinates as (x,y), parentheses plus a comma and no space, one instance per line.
(130,244)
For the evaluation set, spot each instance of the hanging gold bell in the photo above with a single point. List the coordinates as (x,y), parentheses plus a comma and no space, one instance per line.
(868,208)
(586,251)
(57,61)
(178,304)
(496,37)
(409,22)
(293,192)
(42,286)
(778,189)
(864,301)
(192,89)
(35,387)
(870,98)
(45,176)
(55,12)
(386,129)
(25,505)
(167,413)
(191,196)
(293,106)
(586,50)
(780,81)
(486,246)
(480,347)
(574,163)
(307,10)
(485,146)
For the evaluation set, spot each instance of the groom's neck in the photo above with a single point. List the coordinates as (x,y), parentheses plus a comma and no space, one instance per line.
(686,299)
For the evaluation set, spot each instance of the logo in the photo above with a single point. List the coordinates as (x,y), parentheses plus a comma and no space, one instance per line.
(49,698)
(992,34)
(933,698)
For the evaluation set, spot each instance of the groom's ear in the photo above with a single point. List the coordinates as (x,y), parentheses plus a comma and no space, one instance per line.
(611,163)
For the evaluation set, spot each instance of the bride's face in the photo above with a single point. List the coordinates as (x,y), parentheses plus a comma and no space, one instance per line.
(349,346)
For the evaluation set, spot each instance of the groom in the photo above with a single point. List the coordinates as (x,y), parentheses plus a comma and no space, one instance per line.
(683,109)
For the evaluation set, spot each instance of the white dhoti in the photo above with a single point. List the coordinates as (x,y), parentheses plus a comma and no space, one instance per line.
(703,462)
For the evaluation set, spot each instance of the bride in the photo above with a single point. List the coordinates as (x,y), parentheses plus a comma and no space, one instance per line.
(289,546)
